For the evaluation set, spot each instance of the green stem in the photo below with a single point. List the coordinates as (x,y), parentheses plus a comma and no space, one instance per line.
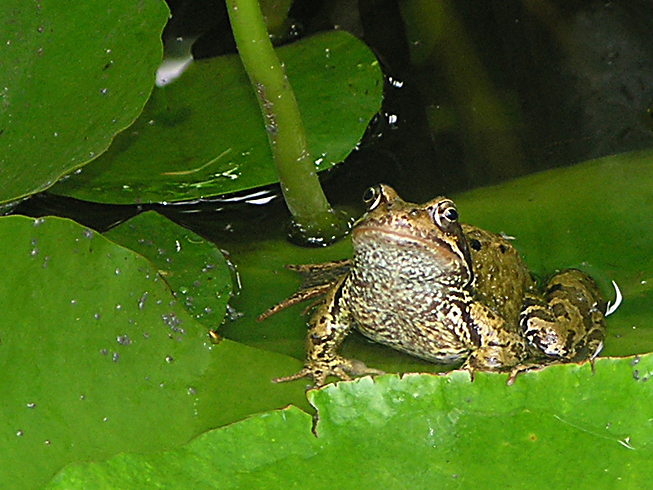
(301,188)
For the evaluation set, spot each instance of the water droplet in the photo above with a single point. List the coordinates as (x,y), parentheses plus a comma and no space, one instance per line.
(73,302)
(104,91)
(39,221)
(146,335)
(19,432)
(56,135)
(34,252)
(96,316)
(395,83)
(118,307)
(104,352)
(88,233)
(123,339)
(169,359)
(82,397)
(191,391)
(47,442)
(31,405)
(118,271)
(141,301)
(173,322)
(115,357)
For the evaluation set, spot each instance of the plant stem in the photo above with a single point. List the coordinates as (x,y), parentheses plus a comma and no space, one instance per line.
(312,213)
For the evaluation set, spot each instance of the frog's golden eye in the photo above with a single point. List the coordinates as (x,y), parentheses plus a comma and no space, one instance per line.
(445,214)
(372,197)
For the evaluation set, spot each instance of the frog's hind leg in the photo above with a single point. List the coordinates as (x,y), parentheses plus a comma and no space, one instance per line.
(568,324)
(317,280)
(298,297)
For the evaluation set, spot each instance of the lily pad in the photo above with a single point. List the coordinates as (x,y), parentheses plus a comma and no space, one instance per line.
(97,356)
(195,269)
(74,75)
(204,135)
(601,225)
(564,427)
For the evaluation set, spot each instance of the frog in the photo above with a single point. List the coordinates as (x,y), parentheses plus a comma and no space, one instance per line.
(423,283)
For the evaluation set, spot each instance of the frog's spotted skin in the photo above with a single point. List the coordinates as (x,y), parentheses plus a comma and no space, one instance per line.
(422,283)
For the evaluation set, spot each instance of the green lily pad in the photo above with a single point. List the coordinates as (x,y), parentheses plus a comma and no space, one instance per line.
(97,356)
(204,135)
(195,269)
(563,427)
(600,224)
(74,75)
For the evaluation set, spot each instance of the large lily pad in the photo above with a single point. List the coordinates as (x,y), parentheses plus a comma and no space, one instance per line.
(204,135)
(98,357)
(595,216)
(564,427)
(73,75)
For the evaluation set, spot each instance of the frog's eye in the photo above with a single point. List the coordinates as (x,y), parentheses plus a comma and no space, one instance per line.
(450,214)
(372,197)
(445,214)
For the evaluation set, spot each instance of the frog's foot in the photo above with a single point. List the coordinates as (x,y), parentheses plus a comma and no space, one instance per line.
(339,367)
(524,368)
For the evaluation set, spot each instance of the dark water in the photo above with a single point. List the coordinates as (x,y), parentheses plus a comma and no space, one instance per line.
(506,90)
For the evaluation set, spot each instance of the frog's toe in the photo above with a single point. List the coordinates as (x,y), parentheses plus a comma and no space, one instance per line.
(304,373)
(358,368)
(341,368)
(318,372)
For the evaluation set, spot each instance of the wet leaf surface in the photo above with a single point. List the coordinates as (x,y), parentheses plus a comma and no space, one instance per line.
(204,135)
(74,75)
(195,269)
(563,427)
(98,357)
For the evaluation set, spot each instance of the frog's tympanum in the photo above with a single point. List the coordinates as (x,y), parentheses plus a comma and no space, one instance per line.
(423,283)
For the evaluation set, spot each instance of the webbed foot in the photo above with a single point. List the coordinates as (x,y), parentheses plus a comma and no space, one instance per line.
(339,367)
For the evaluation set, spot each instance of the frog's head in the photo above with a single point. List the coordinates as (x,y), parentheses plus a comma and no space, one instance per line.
(410,239)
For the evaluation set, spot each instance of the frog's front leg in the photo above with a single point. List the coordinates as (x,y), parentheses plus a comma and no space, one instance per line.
(329,326)
(498,348)
(568,324)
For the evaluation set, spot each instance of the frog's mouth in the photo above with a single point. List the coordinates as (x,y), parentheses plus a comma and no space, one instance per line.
(363,234)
